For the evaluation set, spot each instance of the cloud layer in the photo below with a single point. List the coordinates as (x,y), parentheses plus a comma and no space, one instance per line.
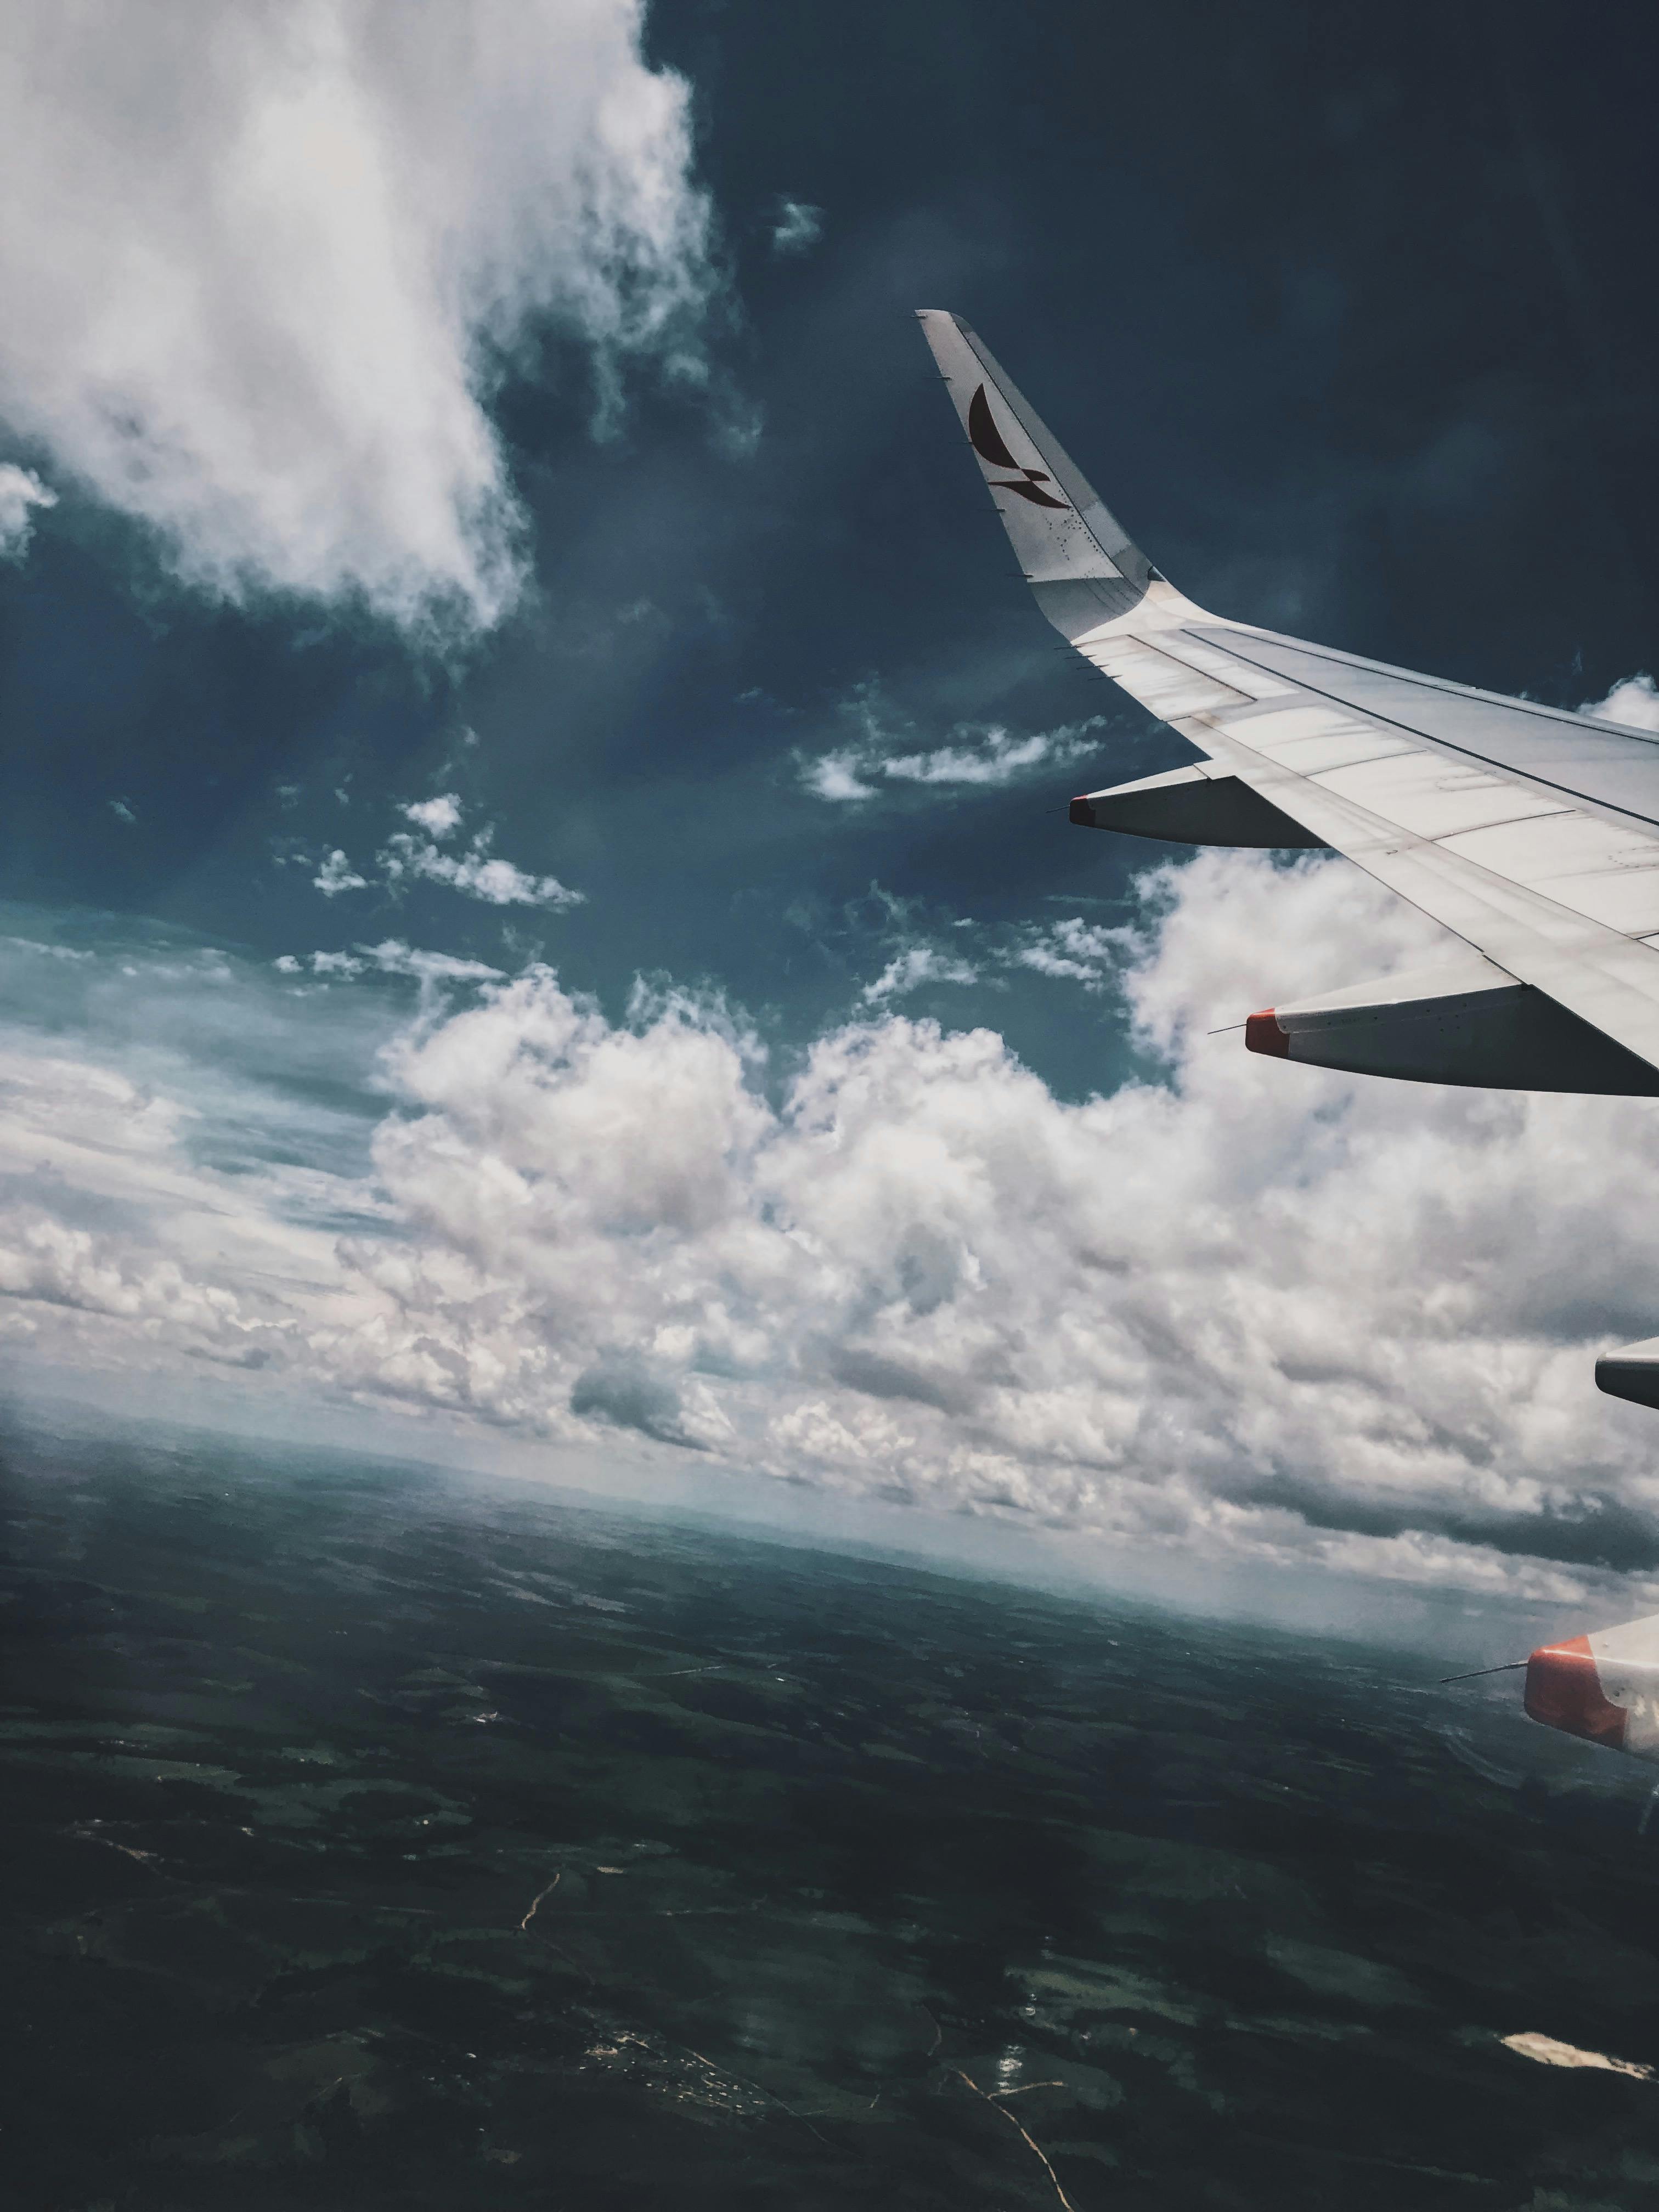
(1256,1310)
(260,264)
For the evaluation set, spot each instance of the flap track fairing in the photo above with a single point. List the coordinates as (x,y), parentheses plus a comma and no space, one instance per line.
(1466,1023)
(1197,805)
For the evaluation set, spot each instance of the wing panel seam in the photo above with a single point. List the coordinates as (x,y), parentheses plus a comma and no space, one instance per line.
(1463,752)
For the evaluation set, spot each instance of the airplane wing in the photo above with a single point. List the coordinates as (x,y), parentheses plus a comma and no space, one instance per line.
(1603,1686)
(1532,833)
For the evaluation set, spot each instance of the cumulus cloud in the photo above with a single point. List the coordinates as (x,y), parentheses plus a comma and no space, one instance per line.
(437,817)
(1263,1310)
(262,265)
(797,226)
(20,493)
(1252,1309)
(336,874)
(1634,701)
(987,757)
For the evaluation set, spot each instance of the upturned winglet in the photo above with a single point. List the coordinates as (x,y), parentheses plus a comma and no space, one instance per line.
(1082,564)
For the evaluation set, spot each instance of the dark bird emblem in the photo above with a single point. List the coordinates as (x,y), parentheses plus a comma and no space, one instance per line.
(986,442)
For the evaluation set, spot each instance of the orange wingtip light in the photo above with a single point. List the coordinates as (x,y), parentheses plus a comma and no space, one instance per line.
(1564,1691)
(1263,1034)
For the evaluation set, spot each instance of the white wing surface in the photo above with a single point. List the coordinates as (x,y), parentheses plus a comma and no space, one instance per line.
(1530,832)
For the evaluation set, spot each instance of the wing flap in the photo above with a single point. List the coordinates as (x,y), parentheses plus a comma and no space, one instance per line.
(1421,792)
(1593,763)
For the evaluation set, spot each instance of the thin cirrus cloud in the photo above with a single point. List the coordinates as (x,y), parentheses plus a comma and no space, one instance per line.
(915,965)
(392,957)
(1258,1312)
(987,758)
(259,263)
(797,226)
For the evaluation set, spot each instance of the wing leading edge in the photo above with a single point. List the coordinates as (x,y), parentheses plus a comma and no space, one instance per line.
(1529,832)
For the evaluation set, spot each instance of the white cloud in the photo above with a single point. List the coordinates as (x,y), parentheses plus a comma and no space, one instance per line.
(1083,951)
(476,873)
(1268,1311)
(393,957)
(437,817)
(985,757)
(260,264)
(389,957)
(994,757)
(336,874)
(21,492)
(1255,1311)
(1634,700)
(797,228)
(836,776)
(914,965)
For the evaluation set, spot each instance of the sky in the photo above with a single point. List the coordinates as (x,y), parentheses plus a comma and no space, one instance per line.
(538,915)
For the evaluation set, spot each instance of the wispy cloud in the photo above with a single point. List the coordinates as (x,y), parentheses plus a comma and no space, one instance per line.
(836,776)
(797,226)
(1085,952)
(983,756)
(993,757)
(21,493)
(475,871)
(911,967)
(392,957)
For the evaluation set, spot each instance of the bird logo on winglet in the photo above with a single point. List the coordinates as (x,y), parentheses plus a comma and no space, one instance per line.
(987,442)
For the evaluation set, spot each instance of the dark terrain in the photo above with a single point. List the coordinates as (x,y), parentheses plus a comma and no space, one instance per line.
(376,1839)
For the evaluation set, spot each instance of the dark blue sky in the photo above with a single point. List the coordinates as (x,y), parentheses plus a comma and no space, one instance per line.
(1345,311)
